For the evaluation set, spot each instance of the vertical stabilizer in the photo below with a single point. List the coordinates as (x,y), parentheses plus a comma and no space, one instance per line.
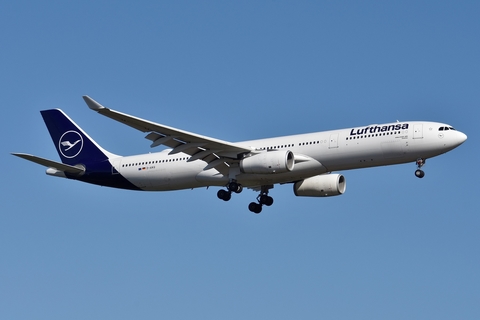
(73,145)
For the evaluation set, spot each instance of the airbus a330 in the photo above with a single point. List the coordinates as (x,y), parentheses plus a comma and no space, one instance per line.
(193,161)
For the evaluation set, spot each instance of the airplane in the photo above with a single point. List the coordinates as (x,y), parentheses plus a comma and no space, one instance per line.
(193,161)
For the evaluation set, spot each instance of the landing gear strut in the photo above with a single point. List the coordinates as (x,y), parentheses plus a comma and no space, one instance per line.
(263,199)
(420,163)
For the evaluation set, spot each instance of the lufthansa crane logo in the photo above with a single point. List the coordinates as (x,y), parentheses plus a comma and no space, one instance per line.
(70,144)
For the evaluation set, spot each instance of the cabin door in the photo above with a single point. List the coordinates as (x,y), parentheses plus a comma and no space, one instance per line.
(333,141)
(418,131)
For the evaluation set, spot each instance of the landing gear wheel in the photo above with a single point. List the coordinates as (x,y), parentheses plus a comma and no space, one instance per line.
(266,200)
(224,195)
(235,187)
(419,173)
(269,201)
(239,189)
(255,207)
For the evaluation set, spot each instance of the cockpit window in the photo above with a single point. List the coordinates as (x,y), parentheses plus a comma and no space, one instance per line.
(446,128)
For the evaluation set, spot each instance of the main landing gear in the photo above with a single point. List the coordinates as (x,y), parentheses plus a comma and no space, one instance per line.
(263,199)
(256,207)
(226,195)
(420,163)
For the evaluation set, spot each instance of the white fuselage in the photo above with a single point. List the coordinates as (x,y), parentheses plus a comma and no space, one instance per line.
(315,153)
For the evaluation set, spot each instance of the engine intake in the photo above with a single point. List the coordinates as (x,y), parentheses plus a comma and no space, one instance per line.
(268,162)
(321,186)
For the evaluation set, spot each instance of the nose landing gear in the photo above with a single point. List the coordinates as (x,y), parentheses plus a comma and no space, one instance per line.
(420,163)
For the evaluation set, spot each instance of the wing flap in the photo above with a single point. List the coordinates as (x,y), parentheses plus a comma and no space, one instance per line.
(201,154)
(186,148)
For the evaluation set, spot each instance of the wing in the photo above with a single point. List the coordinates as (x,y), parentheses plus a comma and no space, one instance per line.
(216,153)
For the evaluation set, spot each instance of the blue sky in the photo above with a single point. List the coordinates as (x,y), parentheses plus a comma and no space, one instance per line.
(392,247)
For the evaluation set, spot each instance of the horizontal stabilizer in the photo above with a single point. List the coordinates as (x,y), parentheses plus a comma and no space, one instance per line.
(52,164)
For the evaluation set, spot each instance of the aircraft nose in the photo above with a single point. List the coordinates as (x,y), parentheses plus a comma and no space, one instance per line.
(461,138)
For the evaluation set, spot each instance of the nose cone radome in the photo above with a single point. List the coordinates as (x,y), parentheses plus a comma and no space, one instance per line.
(460,138)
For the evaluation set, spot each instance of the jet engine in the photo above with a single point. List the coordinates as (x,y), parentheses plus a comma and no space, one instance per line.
(268,162)
(321,186)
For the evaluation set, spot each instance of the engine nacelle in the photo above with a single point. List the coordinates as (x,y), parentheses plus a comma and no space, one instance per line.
(321,186)
(268,162)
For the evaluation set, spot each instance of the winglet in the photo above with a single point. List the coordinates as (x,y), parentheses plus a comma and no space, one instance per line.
(92,104)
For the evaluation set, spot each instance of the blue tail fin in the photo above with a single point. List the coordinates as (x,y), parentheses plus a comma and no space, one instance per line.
(73,145)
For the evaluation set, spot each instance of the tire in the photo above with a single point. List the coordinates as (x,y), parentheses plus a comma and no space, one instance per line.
(224,195)
(419,173)
(233,186)
(220,194)
(239,189)
(255,207)
(269,201)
